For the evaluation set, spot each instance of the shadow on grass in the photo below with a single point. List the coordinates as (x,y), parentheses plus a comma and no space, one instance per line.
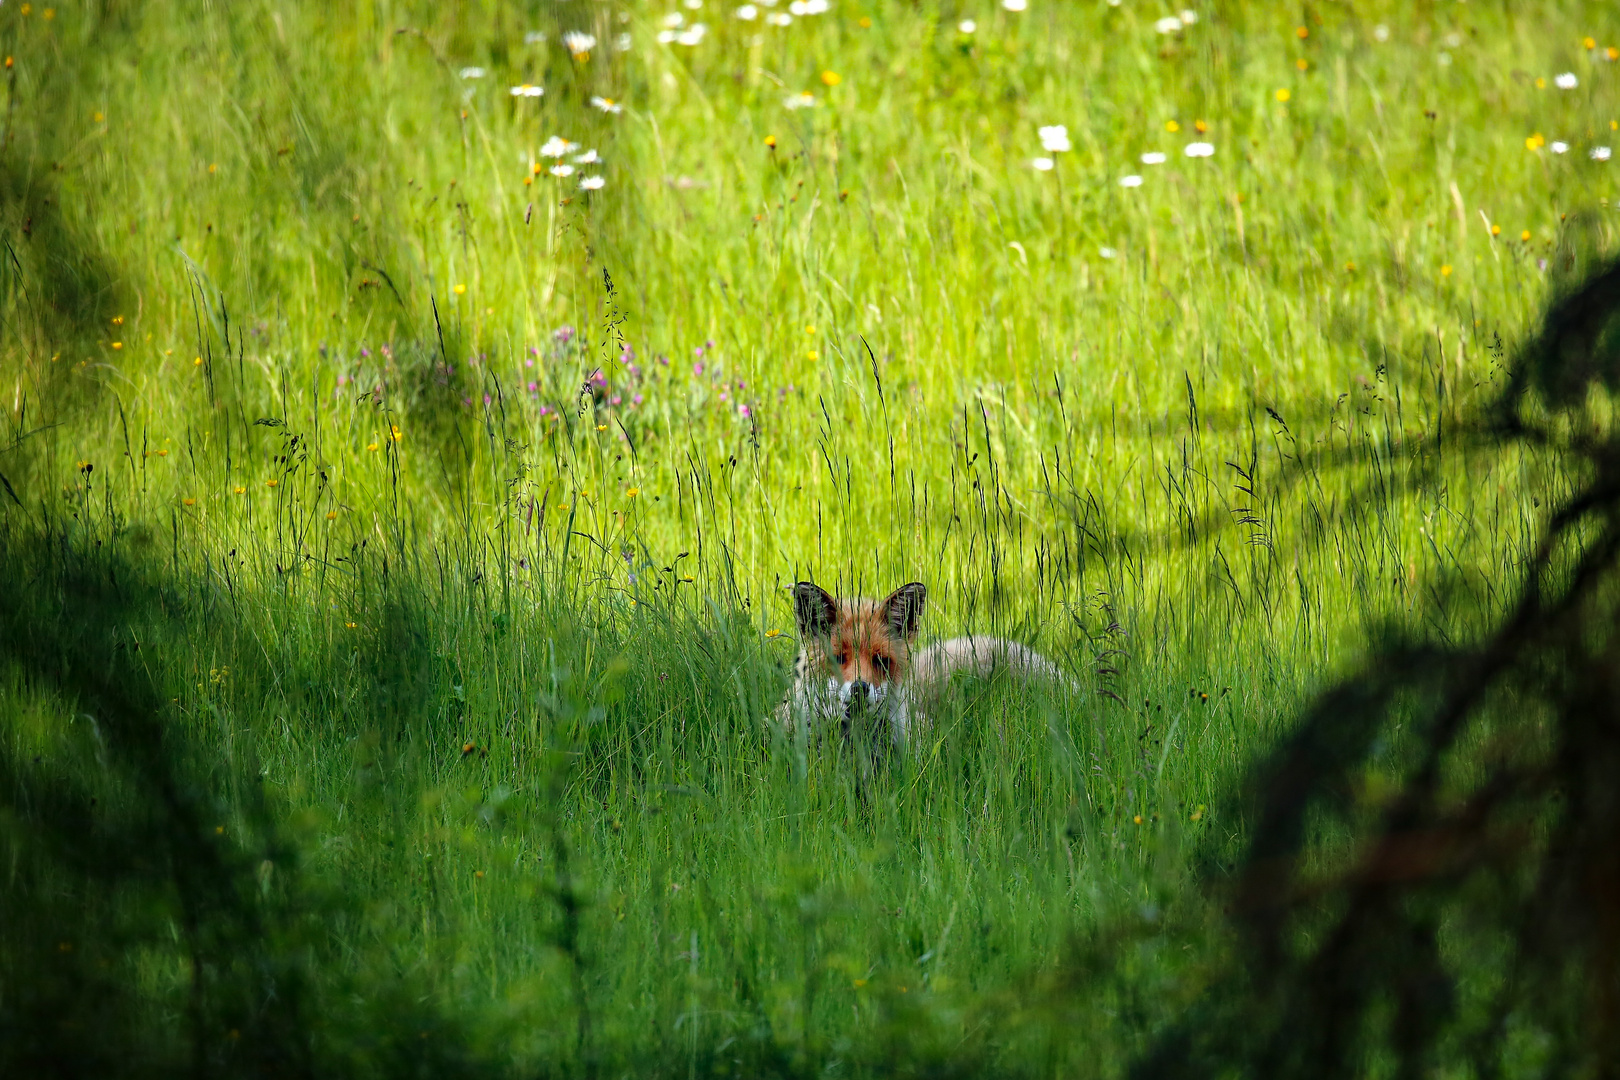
(1431,875)
(157,920)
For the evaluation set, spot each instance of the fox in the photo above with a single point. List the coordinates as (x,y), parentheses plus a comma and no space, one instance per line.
(858,664)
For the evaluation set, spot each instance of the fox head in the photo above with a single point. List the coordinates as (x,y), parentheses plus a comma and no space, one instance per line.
(855,651)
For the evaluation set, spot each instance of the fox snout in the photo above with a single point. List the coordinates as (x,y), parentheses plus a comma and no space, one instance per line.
(858,695)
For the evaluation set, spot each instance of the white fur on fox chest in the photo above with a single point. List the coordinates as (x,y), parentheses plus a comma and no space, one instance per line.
(822,702)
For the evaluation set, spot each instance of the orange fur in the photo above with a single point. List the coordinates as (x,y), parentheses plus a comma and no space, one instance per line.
(861,647)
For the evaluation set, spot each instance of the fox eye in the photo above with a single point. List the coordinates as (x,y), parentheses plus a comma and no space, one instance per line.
(881,662)
(841,659)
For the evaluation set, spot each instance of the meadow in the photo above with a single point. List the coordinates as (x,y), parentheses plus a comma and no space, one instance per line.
(1155,339)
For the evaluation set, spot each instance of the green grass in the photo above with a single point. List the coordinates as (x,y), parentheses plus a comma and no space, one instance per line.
(447,717)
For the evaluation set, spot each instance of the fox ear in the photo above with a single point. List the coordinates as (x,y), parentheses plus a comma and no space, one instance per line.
(815,609)
(903,610)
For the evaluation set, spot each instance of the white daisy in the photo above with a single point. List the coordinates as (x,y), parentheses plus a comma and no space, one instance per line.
(666,37)
(1043,164)
(579,43)
(1380,32)
(606,104)
(562,170)
(779,18)
(693,5)
(473,73)
(1153,157)
(1200,149)
(589,157)
(623,42)
(967,26)
(1599,153)
(1566,81)
(747,13)
(674,20)
(692,35)
(1015,5)
(1107,252)
(809,7)
(527,90)
(557,146)
(1168,25)
(1055,139)
(1130,181)
(591,183)
(1559,147)
(1188,17)
(804,100)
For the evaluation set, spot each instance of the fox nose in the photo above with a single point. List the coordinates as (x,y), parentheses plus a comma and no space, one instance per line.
(859,694)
